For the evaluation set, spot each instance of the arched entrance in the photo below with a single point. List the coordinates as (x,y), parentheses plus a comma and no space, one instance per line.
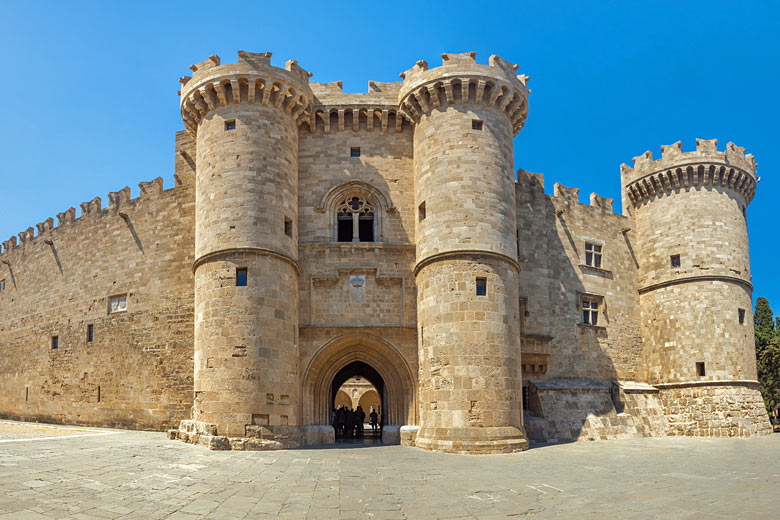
(350,421)
(373,358)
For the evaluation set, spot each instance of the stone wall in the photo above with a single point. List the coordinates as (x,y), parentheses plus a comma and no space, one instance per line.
(137,371)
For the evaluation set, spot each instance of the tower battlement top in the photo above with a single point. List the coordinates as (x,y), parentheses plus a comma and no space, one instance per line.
(461,80)
(732,168)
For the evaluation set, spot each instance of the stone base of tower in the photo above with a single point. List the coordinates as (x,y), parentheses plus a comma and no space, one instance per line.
(714,409)
(498,439)
(256,438)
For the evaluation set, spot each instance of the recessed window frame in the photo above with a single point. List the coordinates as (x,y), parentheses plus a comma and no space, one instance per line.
(90,333)
(242,277)
(2,284)
(481,286)
(288,227)
(118,303)
(594,254)
(55,342)
(741,316)
(230,124)
(591,310)
(356,218)
(354,151)
(675,261)
(421,211)
(701,369)
(477,124)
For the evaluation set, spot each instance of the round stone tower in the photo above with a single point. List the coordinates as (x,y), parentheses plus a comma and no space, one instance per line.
(465,117)
(245,117)
(689,212)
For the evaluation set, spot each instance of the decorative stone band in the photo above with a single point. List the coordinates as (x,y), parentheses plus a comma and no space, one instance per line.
(725,382)
(448,255)
(251,80)
(675,170)
(248,250)
(688,279)
(333,118)
(462,90)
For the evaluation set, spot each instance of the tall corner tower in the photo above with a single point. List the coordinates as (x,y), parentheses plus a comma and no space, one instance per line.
(695,295)
(465,117)
(245,118)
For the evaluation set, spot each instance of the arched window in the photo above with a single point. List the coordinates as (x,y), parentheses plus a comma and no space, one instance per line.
(355,220)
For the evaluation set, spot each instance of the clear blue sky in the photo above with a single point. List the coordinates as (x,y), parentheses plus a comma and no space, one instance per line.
(90,102)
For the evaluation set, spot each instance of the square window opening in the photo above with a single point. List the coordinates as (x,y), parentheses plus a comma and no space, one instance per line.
(117,304)
(593,254)
(481,286)
(90,333)
(741,314)
(354,151)
(675,259)
(590,310)
(230,125)
(476,124)
(421,211)
(241,277)
(700,369)
(55,342)
(288,230)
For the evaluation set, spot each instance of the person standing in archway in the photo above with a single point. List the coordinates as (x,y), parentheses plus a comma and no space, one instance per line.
(373,419)
(360,418)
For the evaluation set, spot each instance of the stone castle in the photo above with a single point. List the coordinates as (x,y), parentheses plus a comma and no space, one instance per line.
(315,236)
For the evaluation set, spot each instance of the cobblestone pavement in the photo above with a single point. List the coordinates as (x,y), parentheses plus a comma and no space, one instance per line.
(144,475)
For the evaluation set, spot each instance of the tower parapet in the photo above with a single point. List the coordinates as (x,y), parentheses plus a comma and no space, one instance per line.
(252,80)
(461,80)
(733,169)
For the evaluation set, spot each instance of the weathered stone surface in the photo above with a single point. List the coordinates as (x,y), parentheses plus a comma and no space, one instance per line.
(467,290)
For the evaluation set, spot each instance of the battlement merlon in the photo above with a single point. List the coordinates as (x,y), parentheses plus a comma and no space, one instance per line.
(676,169)
(251,80)
(461,79)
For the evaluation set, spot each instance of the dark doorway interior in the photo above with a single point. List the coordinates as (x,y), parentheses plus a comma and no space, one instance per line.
(346,422)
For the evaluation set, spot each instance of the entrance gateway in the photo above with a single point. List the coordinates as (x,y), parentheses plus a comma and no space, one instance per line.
(372,358)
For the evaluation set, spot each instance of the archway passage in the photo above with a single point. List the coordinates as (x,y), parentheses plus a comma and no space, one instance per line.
(374,359)
(350,420)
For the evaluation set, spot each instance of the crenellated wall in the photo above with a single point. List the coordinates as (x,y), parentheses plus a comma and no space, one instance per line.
(137,370)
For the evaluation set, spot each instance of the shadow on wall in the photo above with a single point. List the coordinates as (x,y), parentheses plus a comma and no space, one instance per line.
(581,349)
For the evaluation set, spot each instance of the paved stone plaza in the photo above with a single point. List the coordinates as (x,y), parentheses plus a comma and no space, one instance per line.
(85,474)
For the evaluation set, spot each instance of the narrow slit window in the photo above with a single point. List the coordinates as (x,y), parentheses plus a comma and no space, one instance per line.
(593,255)
(55,342)
(90,333)
(526,397)
(481,286)
(241,277)
(26,393)
(421,211)
(675,259)
(2,285)
(476,124)
(700,369)
(741,314)
(98,396)
(230,125)
(288,227)
(354,151)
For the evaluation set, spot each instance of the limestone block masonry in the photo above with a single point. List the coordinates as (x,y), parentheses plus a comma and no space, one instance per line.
(314,236)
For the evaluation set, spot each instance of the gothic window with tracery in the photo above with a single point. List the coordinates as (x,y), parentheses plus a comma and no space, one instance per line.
(355,220)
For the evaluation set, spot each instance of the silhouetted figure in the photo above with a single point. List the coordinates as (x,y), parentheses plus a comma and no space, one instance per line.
(341,417)
(373,420)
(361,418)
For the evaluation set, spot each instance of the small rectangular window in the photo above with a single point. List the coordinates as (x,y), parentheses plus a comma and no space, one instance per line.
(593,255)
(476,124)
(241,277)
(590,310)
(481,286)
(741,313)
(230,125)
(117,304)
(675,260)
(421,211)
(2,285)
(700,369)
(55,342)
(288,227)
(90,333)
(354,151)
